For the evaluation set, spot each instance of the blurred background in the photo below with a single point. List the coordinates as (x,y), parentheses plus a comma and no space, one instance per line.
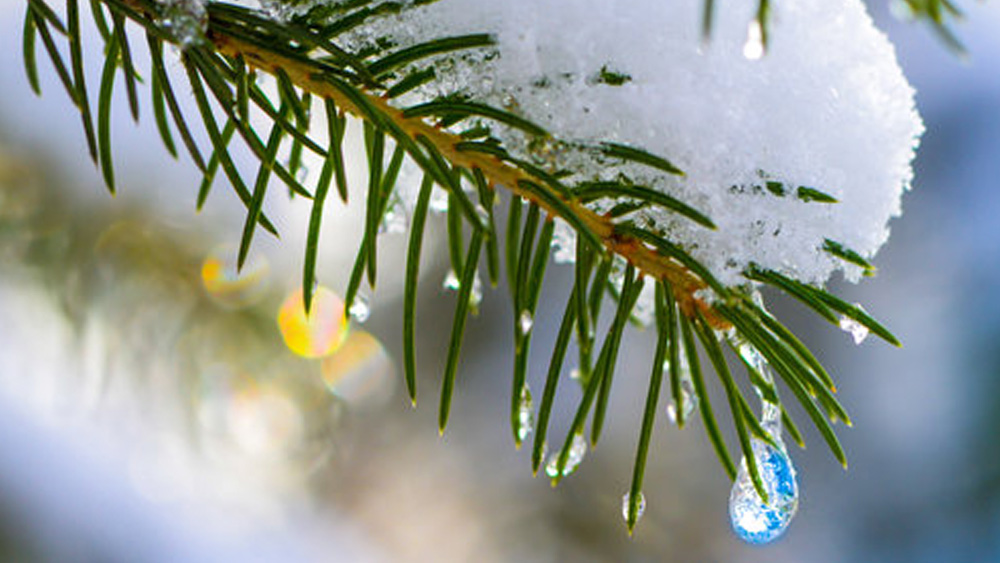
(151,410)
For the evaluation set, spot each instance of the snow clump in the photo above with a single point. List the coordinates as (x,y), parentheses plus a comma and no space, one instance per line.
(826,108)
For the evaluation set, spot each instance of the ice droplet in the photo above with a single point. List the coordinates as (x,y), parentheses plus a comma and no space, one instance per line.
(639,509)
(301,173)
(525,414)
(483,215)
(451,281)
(688,402)
(753,49)
(688,398)
(753,520)
(770,412)
(750,355)
(857,330)
(360,309)
(476,295)
(394,221)
(577,450)
(439,201)
(525,322)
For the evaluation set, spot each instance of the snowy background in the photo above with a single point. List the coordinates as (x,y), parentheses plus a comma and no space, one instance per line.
(104,456)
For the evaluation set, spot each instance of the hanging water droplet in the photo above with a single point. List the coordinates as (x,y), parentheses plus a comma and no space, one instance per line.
(688,403)
(753,49)
(857,330)
(525,322)
(753,520)
(577,450)
(394,221)
(525,414)
(476,294)
(301,173)
(639,509)
(617,275)
(688,398)
(483,215)
(439,201)
(750,354)
(360,309)
(771,412)
(451,281)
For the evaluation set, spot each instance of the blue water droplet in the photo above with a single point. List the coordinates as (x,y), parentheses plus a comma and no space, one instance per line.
(753,520)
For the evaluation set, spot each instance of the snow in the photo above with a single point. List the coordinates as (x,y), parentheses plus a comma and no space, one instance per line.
(826,107)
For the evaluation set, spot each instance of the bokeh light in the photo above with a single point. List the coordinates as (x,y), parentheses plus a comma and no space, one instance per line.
(319,333)
(229,288)
(264,421)
(361,371)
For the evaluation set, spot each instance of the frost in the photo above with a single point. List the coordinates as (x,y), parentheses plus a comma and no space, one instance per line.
(825,108)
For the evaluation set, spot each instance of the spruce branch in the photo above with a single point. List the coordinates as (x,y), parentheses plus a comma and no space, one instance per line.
(696,315)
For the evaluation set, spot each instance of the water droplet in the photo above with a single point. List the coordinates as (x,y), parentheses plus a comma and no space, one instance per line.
(483,215)
(750,355)
(394,221)
(577,450)
(451,281)
(360,372)
(639,509)
(360,309)
(439,201)
(301,172)
(318,334)
(770,412)
(617,275)
(476,295)
(753,49)
(857,330)
(575,374)
(753,520)
(688,403)
(525,414)
(525,322)
(227,287)
(688,398)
